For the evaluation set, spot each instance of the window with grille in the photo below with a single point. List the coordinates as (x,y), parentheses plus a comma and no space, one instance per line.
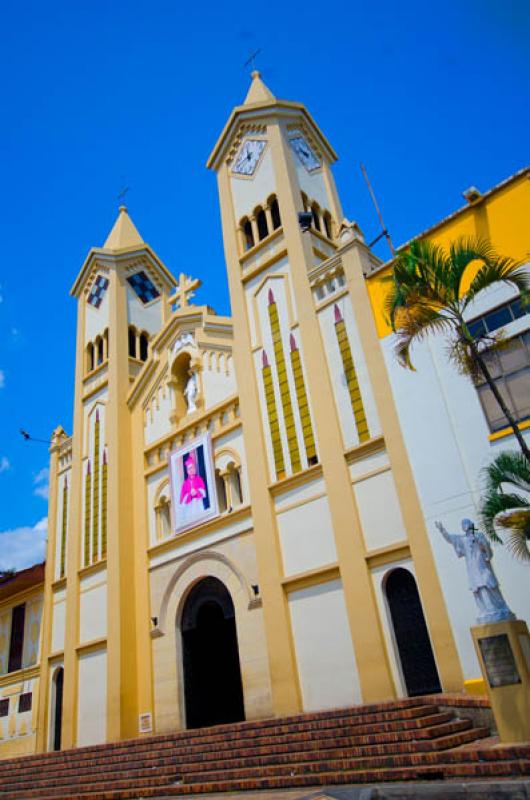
(510,369)
(24,702)
(16,642)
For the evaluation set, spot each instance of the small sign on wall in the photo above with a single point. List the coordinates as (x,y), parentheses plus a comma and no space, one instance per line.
(145,723)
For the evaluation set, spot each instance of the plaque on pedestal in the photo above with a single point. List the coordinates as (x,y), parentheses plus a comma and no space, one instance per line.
(503,649)
(499,661)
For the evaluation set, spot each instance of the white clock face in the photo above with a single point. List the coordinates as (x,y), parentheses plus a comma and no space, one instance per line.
(248,156)
(305,153)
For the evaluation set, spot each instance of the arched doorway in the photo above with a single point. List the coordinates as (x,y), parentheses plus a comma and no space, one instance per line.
(212,676)
(57,708)
(410,630)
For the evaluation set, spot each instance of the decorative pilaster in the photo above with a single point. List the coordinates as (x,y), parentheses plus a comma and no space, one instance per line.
(283,381)
(303,404)
(272,414)
(64,525)
(351,377)
(88,495)
(95,503)
(104,471)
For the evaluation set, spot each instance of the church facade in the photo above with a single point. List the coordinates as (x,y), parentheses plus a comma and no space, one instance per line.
(241,524)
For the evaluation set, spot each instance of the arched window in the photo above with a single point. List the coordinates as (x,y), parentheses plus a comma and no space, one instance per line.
(221,491)
(144,346)
(99,344)
(235,486)
(132,341)
(165,517)
(106,338)
(90,357)
(275,214)
(327,224)
(315,211)
(248,233)
(263,228)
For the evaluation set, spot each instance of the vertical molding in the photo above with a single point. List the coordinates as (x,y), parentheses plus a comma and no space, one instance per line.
(350,373)
(355,257)
(272,414)
(88,495)
(74,549)
(285,686)
(41,702)
(373,666)
(303,404)
(283,381)
(104,471)
(64,525)
(95,499)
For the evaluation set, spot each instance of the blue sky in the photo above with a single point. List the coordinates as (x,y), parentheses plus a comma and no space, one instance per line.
(101,95)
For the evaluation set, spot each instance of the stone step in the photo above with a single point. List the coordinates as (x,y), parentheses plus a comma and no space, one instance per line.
(468,771)
(416,727)
(170,766)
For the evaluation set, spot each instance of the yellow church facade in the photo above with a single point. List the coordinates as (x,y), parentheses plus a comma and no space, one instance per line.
(240,525)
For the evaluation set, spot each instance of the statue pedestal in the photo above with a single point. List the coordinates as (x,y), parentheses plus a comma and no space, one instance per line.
(503,650)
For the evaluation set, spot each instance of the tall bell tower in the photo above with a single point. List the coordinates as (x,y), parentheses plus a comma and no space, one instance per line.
(272,163)
(96,595)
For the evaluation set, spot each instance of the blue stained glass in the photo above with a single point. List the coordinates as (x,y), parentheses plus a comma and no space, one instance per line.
(143,287)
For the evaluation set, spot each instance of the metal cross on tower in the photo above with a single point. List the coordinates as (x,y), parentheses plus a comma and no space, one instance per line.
(184,290)
(252,59)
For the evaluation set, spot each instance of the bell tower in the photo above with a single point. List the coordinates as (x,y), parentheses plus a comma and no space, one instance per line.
(123,301)
(273,163)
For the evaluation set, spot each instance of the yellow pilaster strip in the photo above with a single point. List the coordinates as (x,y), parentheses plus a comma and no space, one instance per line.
(95,505)
(351,377)
(64,528)
(303,404)
(283,381)
(104,506)
(88,493)
(272,414)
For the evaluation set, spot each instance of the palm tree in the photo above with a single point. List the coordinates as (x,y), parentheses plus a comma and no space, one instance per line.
(508,510)
(427,295)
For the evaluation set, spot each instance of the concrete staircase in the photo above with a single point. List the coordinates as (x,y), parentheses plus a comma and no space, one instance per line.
(406,740)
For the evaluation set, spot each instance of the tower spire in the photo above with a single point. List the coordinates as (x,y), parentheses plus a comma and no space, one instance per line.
(258,92)
(123,233)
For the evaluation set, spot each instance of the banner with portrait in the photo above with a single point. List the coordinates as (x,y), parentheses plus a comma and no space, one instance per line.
(192,476)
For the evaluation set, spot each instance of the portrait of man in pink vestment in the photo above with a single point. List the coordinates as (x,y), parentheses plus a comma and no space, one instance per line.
(192,477)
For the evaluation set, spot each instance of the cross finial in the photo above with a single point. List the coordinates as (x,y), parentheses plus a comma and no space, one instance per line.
(184,290)
(252,60)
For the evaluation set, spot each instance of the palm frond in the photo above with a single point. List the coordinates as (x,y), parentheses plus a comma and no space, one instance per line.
(507,467)
(516,522)
(414,327)
(462,253)
(499,270)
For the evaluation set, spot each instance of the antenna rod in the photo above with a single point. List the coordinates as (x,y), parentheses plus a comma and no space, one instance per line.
(384,231)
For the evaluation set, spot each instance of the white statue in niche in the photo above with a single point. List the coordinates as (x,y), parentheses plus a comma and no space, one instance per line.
(191,392)
(184,340)
(475,549)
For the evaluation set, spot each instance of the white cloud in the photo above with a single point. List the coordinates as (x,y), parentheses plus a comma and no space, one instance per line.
(5,464)
(23,547)
(2,379)
(41,482)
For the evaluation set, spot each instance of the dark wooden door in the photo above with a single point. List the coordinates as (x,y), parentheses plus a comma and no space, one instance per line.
(412,638)
(212,676)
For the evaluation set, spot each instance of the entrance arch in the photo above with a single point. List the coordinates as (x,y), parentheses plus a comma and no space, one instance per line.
(412,637)
(57,708)
(213,690)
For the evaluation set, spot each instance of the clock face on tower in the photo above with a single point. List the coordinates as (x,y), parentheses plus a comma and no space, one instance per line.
(304,152)
(247,159)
